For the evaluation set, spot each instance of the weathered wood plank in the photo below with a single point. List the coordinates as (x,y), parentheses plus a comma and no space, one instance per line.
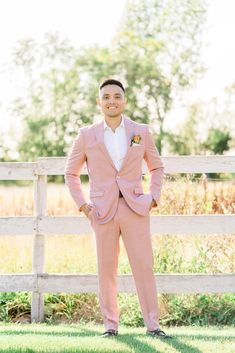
(64,225)
(88,283)
(18,171)
(18,282)
(199,164)
(166,283)
(54,166)
(37,307)
(75,283)
(40,201)
(176,224)
(173,164)
(17,225)
(193,224)
(196,283)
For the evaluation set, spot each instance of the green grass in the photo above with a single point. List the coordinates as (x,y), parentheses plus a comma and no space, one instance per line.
(29,338)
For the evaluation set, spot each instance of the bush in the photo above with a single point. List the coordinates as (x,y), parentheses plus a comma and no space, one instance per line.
(175,310)
(199,309)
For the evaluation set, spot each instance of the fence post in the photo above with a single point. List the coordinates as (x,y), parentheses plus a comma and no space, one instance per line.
(40,199)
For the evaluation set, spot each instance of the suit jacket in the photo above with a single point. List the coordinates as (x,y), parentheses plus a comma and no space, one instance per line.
(105,180)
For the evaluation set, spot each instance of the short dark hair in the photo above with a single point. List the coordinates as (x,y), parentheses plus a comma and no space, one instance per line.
(111,81)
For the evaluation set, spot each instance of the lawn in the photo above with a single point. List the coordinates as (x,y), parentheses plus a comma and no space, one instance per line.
(29,338)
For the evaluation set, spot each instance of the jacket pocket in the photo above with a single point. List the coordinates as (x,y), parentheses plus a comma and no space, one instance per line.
(138,191)
(96,193)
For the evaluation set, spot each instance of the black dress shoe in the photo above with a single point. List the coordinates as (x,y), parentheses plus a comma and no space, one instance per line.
(109,333)
(158,333)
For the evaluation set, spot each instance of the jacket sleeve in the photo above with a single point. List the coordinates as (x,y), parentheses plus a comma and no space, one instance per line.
(75,161)
(155,167)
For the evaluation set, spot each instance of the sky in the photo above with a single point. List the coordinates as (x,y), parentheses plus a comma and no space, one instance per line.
(90,21)
(219,53)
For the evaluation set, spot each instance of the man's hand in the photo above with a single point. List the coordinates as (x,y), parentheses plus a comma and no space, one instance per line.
(86,209)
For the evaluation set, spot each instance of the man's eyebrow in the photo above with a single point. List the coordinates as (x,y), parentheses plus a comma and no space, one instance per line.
(115,94)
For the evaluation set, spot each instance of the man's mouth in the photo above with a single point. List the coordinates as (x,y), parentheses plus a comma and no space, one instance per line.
(112,107)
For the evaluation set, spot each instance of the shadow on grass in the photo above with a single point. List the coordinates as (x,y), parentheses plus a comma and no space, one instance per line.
(39,332)
(87,332)
(136,342)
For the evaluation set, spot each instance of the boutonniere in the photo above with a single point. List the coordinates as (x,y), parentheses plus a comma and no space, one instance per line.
(135,139)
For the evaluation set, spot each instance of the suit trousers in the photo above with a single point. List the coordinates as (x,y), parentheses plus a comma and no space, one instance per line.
(135,232)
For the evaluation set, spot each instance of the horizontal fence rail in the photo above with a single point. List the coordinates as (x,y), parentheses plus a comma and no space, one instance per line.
(61,225)
(39,225)
(88,283)
(173,164)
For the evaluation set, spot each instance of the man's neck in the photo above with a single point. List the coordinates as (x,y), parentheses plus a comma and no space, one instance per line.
(113,123)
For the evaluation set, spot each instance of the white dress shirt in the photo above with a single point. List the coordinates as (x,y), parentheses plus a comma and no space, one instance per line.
(116,143)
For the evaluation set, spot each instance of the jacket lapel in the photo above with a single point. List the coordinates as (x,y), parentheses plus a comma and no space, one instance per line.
(99,133)
(129,133)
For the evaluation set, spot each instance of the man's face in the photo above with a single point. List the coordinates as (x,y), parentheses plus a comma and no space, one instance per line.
(111,100)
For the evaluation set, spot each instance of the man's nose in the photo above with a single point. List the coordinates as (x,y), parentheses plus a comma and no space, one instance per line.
(111,100)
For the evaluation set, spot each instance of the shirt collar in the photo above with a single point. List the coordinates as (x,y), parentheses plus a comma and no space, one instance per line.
(120,125)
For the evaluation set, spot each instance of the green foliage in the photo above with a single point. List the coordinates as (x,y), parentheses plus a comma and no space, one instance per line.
(218,141)
(196,135)
(130,313)
(158,43)
(54,108)
(200,309)
(177,310)
(155,52)
(78,307)
(4,150)
(170,257)
(187,139)
(14,305)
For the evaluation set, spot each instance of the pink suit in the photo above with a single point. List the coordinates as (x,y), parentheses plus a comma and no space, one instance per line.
(112,216)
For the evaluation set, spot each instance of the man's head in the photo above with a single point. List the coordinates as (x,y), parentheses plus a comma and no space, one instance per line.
(111,81)
(112,98)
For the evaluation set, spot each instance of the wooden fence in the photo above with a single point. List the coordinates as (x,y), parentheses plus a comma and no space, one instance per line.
(38,282)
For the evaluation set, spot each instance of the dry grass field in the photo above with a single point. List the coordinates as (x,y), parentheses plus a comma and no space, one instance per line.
(172,254)
(76,253)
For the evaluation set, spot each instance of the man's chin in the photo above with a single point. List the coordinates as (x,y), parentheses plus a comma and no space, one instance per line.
(113,115)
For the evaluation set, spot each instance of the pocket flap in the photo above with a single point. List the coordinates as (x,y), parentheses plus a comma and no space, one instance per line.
(96,193)
(138,191)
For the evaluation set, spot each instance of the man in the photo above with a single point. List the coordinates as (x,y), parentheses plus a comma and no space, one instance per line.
(113,150)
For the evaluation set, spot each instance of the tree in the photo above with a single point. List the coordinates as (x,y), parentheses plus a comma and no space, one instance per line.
(204,130)
(158,46)
(54,107)
(4,150)
(155,52)
(189,136)
(218,141)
